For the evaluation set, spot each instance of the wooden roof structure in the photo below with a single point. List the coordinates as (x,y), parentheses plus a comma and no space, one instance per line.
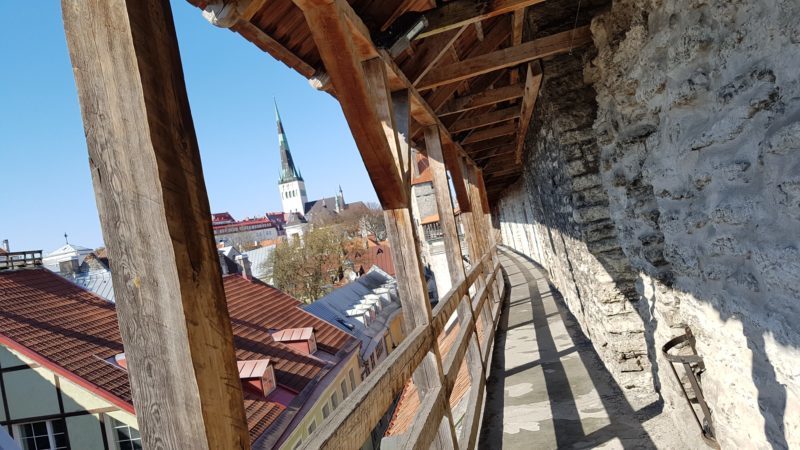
(466,63)
(455,79)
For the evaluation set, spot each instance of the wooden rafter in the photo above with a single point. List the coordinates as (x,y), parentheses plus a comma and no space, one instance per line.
(492,39)
(429,53)
(490,144)
(483,98)
(266,43)
(490,118)
(507,57)
(533,81)
(517,28)
(457,13)
(504,129)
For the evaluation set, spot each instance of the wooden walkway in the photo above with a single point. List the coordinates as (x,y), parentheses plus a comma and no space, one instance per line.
(547,387)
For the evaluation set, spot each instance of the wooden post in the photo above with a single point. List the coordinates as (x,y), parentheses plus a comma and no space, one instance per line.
(455,265)
(154,210)
(455,164)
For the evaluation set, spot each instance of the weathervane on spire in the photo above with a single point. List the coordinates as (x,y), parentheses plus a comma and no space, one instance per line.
(66,239)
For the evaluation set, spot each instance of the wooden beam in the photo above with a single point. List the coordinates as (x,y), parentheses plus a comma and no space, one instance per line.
(267,44)
(334,41)
(249,8)
(495,153)
(429,52)
(492,39)
(413,292)
(533,81)
(451,161)
(507,57)
(490,118)
(155,216)
(490,144)
(504,129)
(457,13)
(517,28)
(483,98)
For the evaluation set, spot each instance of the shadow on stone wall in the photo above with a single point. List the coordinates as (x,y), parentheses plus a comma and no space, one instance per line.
(599,234)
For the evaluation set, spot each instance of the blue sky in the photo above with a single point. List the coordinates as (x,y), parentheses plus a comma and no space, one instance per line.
(46,188)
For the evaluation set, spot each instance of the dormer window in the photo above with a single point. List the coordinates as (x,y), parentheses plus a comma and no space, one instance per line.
(300,339)
(257,375)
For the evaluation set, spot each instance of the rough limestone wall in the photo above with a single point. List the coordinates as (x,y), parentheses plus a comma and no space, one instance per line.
(698,109)
(558,215)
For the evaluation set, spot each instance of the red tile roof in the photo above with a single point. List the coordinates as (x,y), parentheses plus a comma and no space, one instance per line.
(376,254)
(75,333)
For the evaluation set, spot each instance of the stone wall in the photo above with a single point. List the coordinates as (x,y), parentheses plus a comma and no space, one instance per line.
(681,205)
(572,234)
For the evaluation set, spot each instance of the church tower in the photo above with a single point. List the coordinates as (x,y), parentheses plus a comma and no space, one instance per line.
(291,184)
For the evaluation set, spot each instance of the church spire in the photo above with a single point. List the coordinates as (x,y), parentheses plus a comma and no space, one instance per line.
(288,171)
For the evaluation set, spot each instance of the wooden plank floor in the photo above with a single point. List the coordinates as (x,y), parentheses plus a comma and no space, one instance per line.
(547,387)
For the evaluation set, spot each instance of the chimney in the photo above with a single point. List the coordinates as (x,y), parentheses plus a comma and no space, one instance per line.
(5,245)
(244,263)
(222,263)
(69,267)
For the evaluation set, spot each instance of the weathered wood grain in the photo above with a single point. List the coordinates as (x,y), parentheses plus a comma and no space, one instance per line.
(458,13)
(483,120)
(483,98)
(507,57)
(533,80)
(153,206)
(352,422)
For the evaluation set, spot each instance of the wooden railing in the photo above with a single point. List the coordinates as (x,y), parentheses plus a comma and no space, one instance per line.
(18,260)
(351,424)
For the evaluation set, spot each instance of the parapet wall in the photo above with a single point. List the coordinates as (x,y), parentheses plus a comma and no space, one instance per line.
(662,190)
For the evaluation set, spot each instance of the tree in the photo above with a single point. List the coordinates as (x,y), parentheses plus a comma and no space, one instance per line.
(307,268)
(372,222)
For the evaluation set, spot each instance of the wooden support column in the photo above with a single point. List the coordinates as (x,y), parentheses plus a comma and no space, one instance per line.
(362,90)
(487,216)
(455,165)
(335,43)
(154,210)
(455,265)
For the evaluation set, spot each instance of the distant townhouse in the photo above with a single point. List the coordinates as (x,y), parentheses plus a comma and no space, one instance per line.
(243,233)
(63,371)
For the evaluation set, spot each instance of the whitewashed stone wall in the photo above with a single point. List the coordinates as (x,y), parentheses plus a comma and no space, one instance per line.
(679,203)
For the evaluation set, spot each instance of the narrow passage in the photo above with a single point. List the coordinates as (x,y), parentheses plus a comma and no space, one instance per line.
(547,387)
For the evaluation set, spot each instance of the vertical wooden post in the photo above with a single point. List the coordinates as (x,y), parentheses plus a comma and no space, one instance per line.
(153,207)
(455,164)
(455,265)
(412,288)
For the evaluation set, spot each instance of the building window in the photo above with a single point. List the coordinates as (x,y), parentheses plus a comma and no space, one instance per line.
(298,444)
(44,435)
(312,426)
(126,437)
(334,400)
(344,389)
(326,411)
(352,380)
